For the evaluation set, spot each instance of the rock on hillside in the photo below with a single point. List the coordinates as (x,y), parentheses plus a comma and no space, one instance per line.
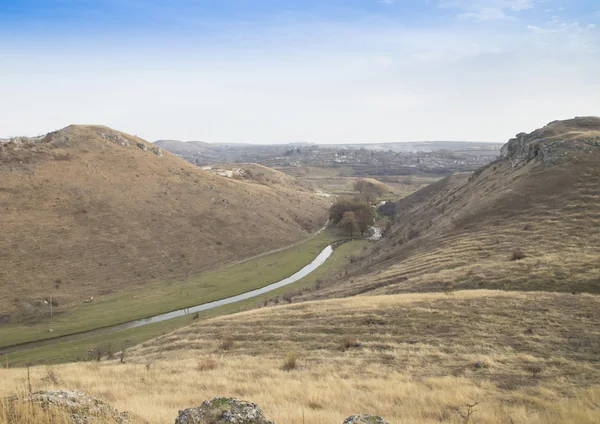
(223,410)
(81,407)
(88,210)
(364,419)
(554,143)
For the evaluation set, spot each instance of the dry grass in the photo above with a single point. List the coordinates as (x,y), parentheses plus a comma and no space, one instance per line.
(19,412)
(416,363)
(114,217)
(340,180)
(469,228)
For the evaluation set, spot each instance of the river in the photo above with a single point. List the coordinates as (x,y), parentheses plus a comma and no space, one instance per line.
(317,262)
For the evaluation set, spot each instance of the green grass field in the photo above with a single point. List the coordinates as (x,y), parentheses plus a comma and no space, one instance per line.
(168,296)
(214,285)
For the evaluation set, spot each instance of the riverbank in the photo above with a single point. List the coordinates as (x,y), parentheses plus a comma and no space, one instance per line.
(255,273)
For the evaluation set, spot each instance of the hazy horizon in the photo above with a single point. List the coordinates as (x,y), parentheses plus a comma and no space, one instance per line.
(356,71)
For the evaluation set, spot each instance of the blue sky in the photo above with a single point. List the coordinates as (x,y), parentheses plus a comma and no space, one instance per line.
(279,71)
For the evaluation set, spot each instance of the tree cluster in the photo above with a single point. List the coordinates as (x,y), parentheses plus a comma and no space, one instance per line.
(352,215)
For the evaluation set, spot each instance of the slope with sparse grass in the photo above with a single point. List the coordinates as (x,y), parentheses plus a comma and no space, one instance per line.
(416,358)
(529,221)
(88,211)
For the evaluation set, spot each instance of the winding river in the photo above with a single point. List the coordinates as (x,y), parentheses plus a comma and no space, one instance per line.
(317,262)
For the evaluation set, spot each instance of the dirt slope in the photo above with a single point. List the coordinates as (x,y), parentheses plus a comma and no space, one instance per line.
(88,210)
(529,221)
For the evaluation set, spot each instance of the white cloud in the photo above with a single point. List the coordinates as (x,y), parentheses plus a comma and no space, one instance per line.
(486,10)
(316,82)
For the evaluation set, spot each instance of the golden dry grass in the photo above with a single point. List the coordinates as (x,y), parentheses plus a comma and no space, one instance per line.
(415,363)
(84,215)
(461,233)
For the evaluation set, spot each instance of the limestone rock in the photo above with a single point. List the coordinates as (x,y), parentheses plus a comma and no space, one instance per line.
(222,410)
(142,146)
(156,151)
(84,408)
(114,137)
(364,419)
(555,143)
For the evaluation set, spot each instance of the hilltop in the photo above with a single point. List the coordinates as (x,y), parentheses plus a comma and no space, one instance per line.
(88,211)
(528,221)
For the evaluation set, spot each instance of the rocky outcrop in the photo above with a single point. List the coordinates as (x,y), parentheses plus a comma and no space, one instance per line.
(83,408)
(223,410)
(86,409)
(554,143)
(364,419)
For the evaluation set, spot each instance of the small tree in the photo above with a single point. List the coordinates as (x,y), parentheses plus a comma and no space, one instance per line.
(360,185)
(364,217)
(336,211)
(349,222)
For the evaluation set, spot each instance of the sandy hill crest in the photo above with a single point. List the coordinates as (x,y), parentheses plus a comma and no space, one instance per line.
(88,210)
(529,221)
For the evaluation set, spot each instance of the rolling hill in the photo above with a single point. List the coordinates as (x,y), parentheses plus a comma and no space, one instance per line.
(528,221)
(87,211)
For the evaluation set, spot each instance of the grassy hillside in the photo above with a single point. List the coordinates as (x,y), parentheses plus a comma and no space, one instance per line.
(88,212)
(529,221)
(411,358)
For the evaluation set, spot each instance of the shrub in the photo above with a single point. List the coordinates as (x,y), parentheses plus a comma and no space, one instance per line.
(207,364)
(98,352)
(52,376)
(413,234)
(517,255)
(387,209)
(350,342)
(228,343)
(290,362)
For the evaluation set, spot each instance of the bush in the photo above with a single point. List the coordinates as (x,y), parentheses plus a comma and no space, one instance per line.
(387,209)
(413,234)
(290,362)
(350,342)
(228,343)
(207,364)
(517,255)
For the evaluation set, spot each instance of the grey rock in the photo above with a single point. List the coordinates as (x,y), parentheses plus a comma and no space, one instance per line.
(479,365)
(365,419)
(554,143)
(114,137)
(142,146)
(156,151)
(84,408)
(223,410)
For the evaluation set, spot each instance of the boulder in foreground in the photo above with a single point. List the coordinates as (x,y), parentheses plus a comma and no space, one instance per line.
(223,410)
(81,407)
(364,419)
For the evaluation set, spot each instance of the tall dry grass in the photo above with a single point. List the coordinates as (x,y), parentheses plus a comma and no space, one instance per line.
(416,362)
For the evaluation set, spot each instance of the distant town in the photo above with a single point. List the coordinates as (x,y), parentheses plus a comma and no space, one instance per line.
(380,159)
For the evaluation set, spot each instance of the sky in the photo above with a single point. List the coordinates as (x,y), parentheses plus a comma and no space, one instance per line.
(278,71)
